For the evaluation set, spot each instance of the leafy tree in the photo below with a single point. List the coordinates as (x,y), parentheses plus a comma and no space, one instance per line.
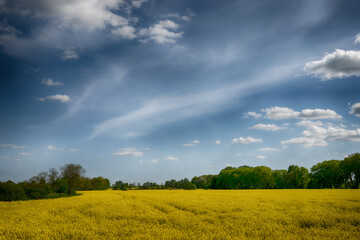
(351,170)
(327,174)
(10,191)
(72,174)
(297,177)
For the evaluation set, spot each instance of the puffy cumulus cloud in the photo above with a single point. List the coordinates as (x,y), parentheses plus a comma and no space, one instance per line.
(309,123)
(315,135)
(260,157)
(193,143)
(161,32)
(171,158)
(246,140)
(217,142)
(59,97)
(252,114)
(357,39)
(267,127)
(12,146)
(51,148)
(128,152)
(137,3)
(70,54)
(355,109)
(51,83)
(269,149)
(126,32)
(277,113)
(337,64)
(78,15)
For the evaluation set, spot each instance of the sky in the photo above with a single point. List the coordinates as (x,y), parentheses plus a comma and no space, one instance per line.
(153,90)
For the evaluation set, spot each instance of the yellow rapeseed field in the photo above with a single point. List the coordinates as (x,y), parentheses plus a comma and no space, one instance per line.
(181,214)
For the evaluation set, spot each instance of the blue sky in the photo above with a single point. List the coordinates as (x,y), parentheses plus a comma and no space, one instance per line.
(146,90)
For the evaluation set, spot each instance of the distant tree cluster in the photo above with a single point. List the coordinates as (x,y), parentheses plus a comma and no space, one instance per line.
(52,184)
(327,174)
(172,184)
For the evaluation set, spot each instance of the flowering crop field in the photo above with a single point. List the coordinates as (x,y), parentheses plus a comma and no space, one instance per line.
(181,214)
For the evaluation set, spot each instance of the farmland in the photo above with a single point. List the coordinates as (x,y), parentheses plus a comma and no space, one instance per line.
(181,214)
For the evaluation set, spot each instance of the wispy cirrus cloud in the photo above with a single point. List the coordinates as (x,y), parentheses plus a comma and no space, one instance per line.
(13,146)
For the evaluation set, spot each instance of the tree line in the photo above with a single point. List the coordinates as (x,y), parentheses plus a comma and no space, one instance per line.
(327,174)
(52,184)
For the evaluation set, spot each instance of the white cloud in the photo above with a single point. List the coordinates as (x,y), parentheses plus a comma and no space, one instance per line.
(174,107)
(51,83)
(146,148)
(260,157)
(153,161)
(51,148)
(217,142)
(137,3)
(355,109)
(309,123)
(13,146)
(252,114)
(246,140)
(177,16)
(267,127)
(162,32)
(269,149)
(193,143)
(25,154)
(357,39)
(70,54)
(337,64)
(130,152)
(59,97)
(126,32)
(170,158)
(277,113)
(315,135)
(40,99)
(80,14)
(74,150)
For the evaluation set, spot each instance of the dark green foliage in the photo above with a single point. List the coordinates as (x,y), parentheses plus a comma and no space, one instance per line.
(351,170)
(327,174)
(51,185)
(10,191)
(72,173)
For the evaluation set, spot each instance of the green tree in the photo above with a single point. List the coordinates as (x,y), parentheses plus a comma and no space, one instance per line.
(351,170)
(327,174)
(72,173)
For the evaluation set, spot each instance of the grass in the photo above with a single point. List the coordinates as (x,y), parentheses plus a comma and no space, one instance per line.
(179,214)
